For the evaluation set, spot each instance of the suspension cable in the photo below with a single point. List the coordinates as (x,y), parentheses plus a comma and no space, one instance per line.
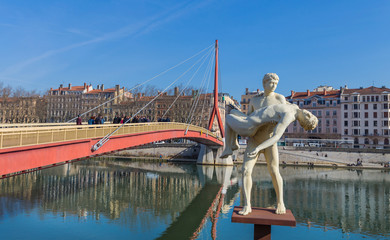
(138,85)
(185,87)
(195,104)
(208,84)
(105,139)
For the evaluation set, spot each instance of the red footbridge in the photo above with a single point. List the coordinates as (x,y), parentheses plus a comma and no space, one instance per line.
(25,148)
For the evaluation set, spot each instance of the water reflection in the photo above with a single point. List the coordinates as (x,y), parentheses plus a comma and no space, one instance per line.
(176,201)
(353,201)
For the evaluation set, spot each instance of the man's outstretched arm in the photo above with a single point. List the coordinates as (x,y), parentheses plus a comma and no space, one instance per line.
(278,132)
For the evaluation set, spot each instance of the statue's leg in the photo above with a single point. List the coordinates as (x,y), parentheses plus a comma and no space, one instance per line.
(272,157)
(247,169)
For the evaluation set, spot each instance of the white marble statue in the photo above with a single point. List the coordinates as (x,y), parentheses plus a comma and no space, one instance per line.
(268,117)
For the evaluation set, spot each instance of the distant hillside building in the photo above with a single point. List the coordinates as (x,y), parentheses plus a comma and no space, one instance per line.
(365,116)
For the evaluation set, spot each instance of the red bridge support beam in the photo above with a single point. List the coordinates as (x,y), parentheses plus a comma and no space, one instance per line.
(215,111)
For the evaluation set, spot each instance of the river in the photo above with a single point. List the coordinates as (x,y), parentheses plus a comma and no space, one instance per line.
(107,198)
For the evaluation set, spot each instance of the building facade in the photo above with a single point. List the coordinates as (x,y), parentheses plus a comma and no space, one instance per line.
(246,98)
(365,116)
(65,103)
(22,110)
(323,103)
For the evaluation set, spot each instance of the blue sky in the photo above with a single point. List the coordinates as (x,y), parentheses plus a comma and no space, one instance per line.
(307,43)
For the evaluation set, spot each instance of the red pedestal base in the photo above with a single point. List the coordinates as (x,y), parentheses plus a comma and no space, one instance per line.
(263,218)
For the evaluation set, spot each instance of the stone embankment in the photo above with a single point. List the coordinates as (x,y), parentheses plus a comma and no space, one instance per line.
(287,155)
(293,156)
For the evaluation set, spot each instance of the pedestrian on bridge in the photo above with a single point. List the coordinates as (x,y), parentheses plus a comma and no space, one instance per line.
(78,120)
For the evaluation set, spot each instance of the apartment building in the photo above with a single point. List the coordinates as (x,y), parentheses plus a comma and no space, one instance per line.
(22,110)
(65,103)
(323,102)
(365,116)
(246,98)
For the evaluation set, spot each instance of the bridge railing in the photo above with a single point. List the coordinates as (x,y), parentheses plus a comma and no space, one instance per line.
(19,137)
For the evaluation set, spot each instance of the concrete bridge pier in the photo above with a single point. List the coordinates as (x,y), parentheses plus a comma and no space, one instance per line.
(209,155)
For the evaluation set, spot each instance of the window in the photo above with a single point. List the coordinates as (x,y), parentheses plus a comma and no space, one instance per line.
(346,98)
(366,106)
(364,98)
(345,107)
(385,106)
(315,113)
(366,123)
(355,98)
(334,113)
(356,106)
(356,115)
(327,122)
(366,115)
(385,123)
(375,114)
(356,132)
(377,98)
(345,115)
(366,132)
(386,114)
(375,123)
(314,104)
(375,106)
(356,123)
(334,130)
(385,98)
(334,104)
(327,113)
(319,113)
(346,131)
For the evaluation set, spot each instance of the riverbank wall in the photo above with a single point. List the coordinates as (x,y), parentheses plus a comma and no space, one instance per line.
(287,155)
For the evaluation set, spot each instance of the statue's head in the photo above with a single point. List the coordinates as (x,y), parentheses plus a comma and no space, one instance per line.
(307,120)
(270,82)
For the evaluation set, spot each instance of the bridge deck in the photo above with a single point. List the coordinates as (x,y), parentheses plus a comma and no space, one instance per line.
(22,149)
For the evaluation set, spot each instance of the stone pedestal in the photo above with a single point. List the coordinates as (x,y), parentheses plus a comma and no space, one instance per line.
(263,219)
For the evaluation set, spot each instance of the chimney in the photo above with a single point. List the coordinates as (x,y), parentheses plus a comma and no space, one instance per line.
(117,88)
(102,87)
(85,85)
(308,93)
(325,92)
(70,86)
(61,86)
(98,86)
(176,91)
(139,95)
(292,93)
(246,91)
(258,90)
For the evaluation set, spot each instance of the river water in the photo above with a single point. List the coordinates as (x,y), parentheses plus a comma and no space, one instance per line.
(114,198)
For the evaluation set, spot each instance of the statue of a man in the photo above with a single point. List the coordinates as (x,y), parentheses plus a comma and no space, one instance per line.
(264,99)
